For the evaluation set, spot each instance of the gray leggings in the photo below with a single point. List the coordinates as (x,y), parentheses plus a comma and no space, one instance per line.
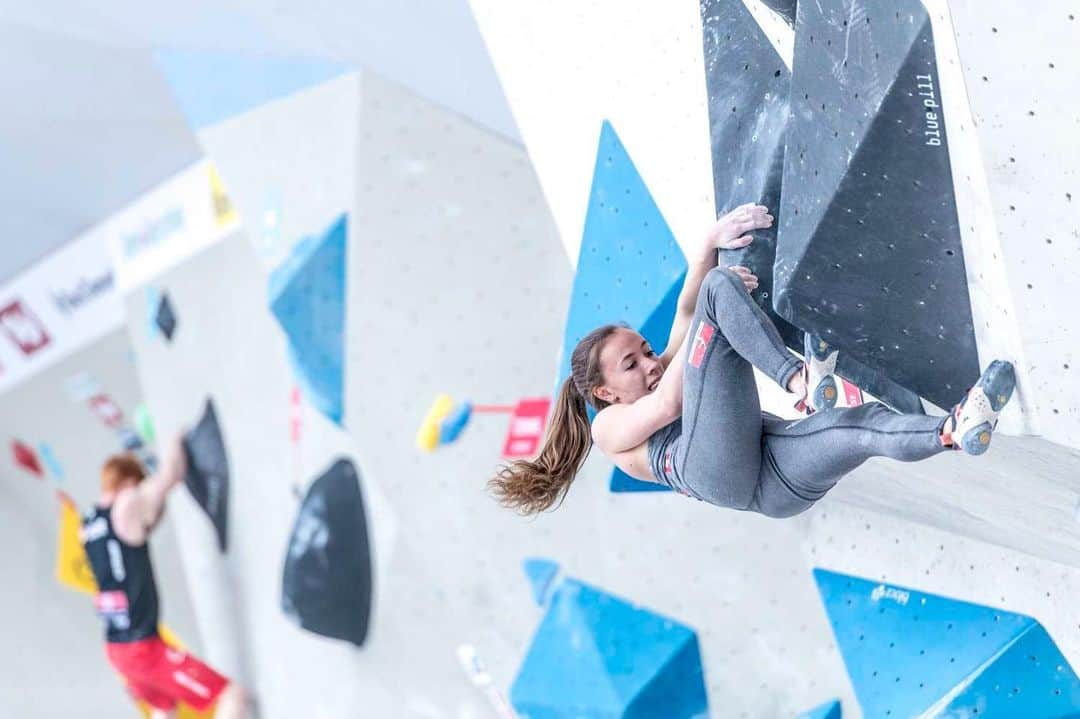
(732,454)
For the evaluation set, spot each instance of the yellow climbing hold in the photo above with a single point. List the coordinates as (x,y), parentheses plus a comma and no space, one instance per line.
(427,437)
(72,566)
(224,210)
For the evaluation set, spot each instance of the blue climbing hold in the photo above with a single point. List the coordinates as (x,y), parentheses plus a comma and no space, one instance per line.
(541,574)
(908,653)
(608,658)
(454,424)
(51,462)
(307,296)
(828,710)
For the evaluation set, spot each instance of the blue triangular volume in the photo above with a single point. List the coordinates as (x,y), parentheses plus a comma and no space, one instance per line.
(630,267)
(307,296)
(622,482)
(657,328)
(905,651)
(214,86)
(629,258)
(540,572)
(609,658)
(828,710)
(1032,679)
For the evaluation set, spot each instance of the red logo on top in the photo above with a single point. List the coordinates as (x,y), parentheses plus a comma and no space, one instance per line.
(702,338)
(23,328)
(526,428)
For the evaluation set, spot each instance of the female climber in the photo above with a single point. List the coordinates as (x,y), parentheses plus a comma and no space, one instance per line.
(690,418)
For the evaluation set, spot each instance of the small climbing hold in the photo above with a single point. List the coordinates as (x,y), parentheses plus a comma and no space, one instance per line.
(26,458)
(165,317)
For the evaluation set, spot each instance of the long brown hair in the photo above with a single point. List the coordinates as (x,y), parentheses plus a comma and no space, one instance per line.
(531,486)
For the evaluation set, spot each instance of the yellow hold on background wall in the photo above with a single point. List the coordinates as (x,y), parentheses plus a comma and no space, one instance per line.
(72,566)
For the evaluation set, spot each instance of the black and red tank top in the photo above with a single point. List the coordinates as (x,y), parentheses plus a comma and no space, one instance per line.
(127,599)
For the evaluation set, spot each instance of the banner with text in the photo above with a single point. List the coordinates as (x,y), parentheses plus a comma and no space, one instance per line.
(73,296)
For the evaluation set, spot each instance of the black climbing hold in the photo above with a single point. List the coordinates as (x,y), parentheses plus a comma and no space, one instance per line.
(208,471)
(869,251)
(327,583)
(166,317)
(748,144)
(749,108)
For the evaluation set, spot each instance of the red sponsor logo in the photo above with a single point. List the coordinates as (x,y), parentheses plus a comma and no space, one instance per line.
(526,428)
(23,328)
(111,602)
(702,338)
(669,466)
(852,394)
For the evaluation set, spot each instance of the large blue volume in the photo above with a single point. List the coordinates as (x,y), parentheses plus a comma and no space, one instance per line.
(914,654)
(630,268)
(595,656)
(307,296)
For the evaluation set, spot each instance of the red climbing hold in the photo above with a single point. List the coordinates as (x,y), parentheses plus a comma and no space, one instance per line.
(26,458)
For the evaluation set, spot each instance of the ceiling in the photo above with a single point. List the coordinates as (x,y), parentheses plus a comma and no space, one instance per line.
(89,123)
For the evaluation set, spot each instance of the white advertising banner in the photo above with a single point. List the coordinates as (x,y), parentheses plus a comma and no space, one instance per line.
(73,296)
(174,221)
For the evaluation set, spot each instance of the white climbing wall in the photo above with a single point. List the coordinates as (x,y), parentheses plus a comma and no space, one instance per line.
(1020,68)
(461,256)
(457,284)
(566,66)
(463,289)
(289,165)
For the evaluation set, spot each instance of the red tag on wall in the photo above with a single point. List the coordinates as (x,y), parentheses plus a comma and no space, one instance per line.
(26,458)
(106,410)
(296,416)
(526,428)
